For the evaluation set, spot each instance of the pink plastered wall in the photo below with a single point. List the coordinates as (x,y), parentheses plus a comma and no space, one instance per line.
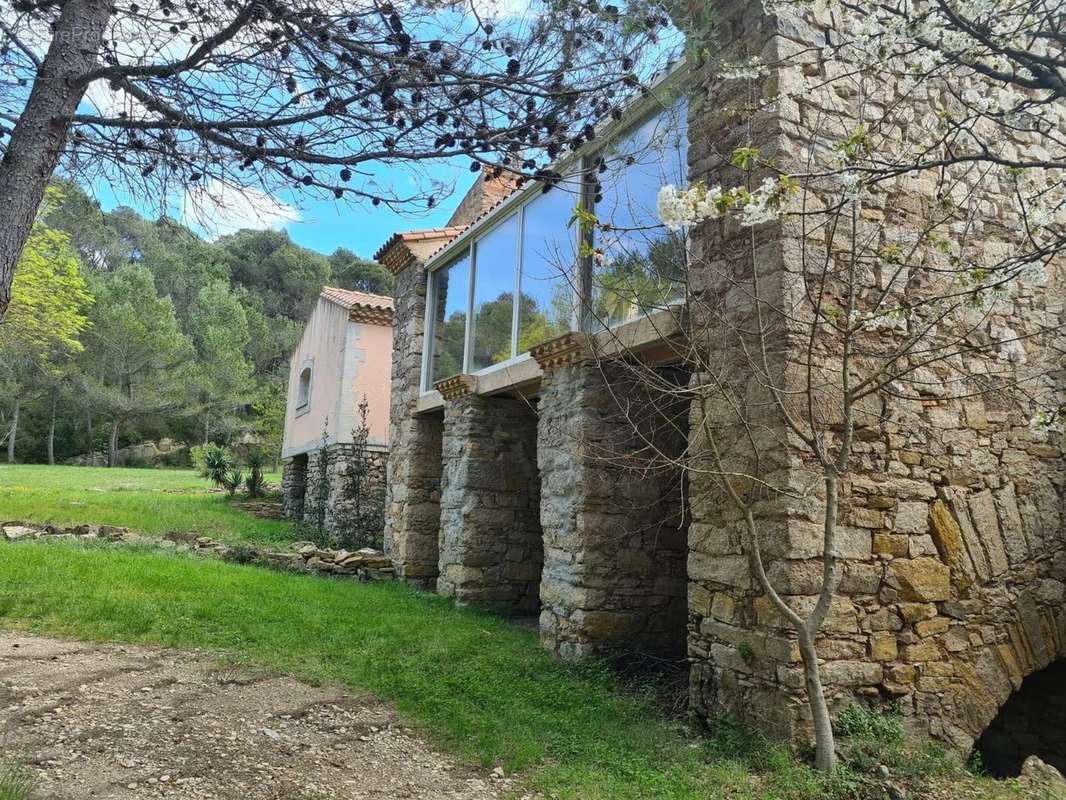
(348,360)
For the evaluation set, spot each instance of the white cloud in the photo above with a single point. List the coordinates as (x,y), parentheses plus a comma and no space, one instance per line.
(109,102)
(218,209)
(504,9)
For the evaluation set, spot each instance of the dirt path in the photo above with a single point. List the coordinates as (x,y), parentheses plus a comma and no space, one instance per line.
(104,721)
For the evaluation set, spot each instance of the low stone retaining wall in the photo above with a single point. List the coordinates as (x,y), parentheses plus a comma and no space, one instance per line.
(366,564)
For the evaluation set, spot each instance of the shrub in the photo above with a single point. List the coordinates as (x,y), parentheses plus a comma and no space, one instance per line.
(196,453)
(217,464)
(878,737)
(364,501)
(254,481)
(861,723)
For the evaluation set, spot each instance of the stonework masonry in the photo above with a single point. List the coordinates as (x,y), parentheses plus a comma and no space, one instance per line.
(491,546)
(313,489)
(952,553)
(614,535)
(412,505)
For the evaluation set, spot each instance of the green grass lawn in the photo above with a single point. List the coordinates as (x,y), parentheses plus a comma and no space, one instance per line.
(133,498)
(475,684)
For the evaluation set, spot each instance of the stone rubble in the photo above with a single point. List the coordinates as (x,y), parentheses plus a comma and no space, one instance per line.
(364,564)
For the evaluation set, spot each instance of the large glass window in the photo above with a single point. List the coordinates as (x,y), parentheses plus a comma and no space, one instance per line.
(494,282)
(636,266)
(450,294)
(639,265)
(547,304)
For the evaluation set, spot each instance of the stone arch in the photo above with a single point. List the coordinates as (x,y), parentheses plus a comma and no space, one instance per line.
(1029,639)
(1031,722)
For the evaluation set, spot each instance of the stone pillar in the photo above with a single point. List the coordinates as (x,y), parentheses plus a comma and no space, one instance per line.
(412,504)
(614,532)
(293,485)
(355,525)
(491,549)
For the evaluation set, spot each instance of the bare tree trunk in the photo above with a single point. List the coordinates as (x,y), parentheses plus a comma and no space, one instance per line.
(112,445)
(14,431)
(39,135)
(52,431)
(824,741)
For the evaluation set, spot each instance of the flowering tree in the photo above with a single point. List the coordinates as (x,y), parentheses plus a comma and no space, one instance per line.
(882,238)
(219,99)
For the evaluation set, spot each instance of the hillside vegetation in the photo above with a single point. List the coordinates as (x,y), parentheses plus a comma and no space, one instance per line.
(124,329)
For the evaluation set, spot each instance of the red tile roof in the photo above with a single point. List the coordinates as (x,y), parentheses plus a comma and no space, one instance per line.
(355,300)
(417,236)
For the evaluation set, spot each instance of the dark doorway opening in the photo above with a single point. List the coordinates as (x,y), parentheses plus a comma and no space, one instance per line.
(1031,722)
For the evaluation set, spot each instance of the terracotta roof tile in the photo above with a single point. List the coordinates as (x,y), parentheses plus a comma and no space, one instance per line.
(416,236)
(357,300)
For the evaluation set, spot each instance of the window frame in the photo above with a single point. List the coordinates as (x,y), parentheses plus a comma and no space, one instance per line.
(309,368)
(574,167)
(624,129)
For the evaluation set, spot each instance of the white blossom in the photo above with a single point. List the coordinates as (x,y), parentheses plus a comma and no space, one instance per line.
(675,208)
(852,184)
(758,207)
(682,208)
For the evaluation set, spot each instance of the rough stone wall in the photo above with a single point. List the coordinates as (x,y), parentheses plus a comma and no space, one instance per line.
(412,507)
(733,655)
(614,535)
(293,482)
(952,552)
(311,497)
(491,547)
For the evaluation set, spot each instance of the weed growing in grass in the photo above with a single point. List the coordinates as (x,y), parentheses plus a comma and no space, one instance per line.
(857,721)
(15,781)
(874,738)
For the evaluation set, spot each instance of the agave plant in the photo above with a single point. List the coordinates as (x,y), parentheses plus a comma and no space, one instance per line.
(217,464)
(232,479)
(254,482)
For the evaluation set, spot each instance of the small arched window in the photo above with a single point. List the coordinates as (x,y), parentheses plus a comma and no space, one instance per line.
(303,389)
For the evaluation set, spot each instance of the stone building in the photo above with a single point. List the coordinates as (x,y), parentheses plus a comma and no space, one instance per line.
(506,488)
(343,360)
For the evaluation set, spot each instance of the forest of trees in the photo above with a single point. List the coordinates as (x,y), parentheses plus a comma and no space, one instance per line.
(123,329)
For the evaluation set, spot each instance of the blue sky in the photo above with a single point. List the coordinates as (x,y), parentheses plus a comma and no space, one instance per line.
(322,225)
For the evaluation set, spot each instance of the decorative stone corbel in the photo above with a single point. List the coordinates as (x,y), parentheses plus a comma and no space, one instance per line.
(456,386)
(573,347)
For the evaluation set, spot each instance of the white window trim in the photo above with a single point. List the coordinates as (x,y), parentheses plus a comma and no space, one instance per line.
(308,367)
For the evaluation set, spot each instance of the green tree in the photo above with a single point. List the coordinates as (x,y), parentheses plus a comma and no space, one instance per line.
(287,277)
(222,379)
(349,271)
(46,318)
(99,244)
(180,261)
(136,361)
(269,412)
